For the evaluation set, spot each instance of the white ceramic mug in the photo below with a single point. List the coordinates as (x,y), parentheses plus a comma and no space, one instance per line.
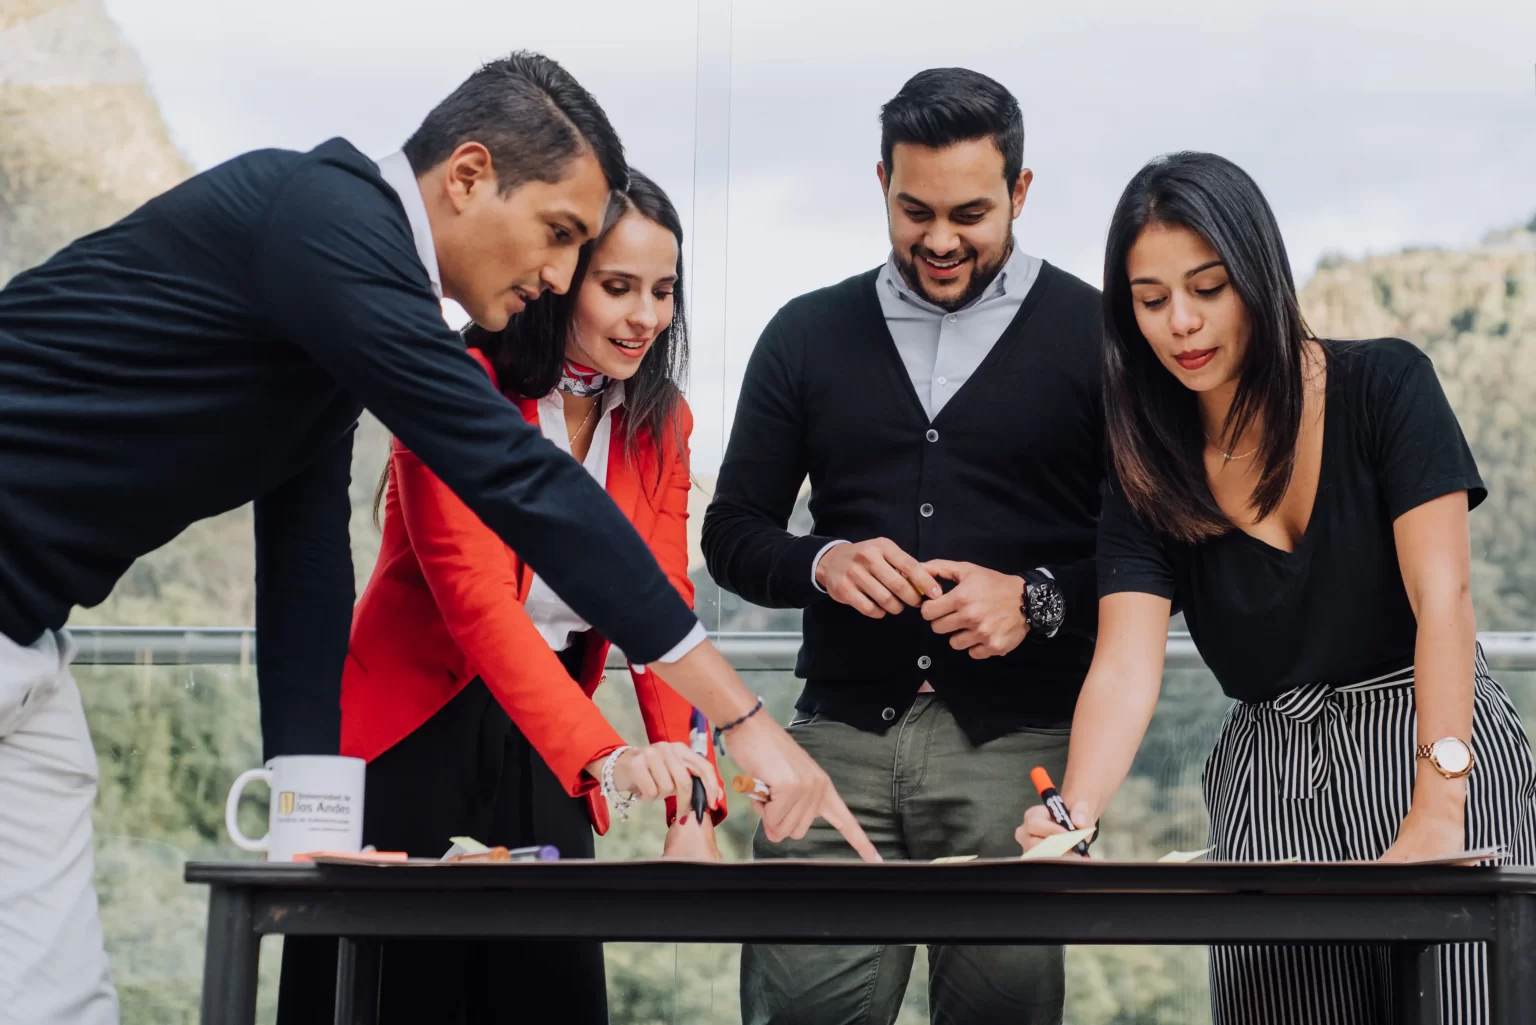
(316,805)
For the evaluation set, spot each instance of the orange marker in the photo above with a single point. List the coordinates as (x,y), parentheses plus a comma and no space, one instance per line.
(755,789)
(1057,806)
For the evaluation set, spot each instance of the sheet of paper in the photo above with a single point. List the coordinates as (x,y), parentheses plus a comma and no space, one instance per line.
(953,859)
(389,859)
(1471,857)
(1056,845)
(354,857)
(464,845)
(1174,857)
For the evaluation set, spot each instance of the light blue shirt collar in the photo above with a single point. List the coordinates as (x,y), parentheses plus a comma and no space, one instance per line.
(1016,276)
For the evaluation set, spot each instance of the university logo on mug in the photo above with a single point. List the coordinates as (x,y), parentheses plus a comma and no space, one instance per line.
(317,805)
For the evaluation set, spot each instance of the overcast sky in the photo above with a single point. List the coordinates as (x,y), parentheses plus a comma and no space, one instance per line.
(1370,125)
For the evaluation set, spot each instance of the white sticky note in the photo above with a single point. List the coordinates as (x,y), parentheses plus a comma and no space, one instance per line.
(464,845)
(1173,857)
(1056,845)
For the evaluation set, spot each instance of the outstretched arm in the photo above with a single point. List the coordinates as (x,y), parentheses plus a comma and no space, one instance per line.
(304,594)
(338,278)
(1113,710)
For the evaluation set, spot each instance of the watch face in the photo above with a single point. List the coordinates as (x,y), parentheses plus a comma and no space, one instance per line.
(1451,754)
(1045,605)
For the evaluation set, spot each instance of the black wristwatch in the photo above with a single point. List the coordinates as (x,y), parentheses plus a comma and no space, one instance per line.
(1043,608)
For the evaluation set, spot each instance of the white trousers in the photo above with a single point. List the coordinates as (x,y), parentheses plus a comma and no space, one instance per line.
(53,965)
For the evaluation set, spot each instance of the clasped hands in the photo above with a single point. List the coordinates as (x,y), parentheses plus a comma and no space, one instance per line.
(982,614)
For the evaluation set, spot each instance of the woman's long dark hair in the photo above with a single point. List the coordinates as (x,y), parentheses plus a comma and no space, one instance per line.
(1154,425)
(529,352)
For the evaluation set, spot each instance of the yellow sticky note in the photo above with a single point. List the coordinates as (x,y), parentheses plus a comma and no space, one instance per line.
(954,859)
(1178,856)
(1056,845)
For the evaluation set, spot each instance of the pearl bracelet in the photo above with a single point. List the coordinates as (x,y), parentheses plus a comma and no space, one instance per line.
(620,802)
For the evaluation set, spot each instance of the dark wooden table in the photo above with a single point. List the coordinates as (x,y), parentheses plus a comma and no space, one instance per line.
(1410,908)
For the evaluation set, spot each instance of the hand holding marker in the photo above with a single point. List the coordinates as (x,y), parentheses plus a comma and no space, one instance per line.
(1057,806)
(755,789)
(698,740)
(698,743)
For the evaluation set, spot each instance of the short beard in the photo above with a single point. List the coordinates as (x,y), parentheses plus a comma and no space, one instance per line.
(981,277)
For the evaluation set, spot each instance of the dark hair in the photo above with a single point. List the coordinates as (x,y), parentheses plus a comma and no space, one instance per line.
(529,352)
(532,117)
(942,106)
(1154,425)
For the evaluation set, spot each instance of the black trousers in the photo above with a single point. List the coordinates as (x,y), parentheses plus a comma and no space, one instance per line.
(468,771)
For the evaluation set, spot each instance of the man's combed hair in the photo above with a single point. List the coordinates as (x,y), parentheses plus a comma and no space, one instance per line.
(942,106)
(532,117)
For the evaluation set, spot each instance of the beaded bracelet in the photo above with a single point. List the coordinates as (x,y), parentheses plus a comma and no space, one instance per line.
(620,802)
(720,731)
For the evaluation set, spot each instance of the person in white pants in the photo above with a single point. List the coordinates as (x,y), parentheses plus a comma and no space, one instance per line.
(53,964)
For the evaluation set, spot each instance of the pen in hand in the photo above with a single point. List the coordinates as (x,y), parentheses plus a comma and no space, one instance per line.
(1058,808)
(755,789)
(698,740)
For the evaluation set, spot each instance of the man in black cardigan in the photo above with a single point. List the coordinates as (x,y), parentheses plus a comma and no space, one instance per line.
(946,409)
(214,348)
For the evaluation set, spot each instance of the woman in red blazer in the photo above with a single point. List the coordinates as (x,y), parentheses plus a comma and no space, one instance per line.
(468,684)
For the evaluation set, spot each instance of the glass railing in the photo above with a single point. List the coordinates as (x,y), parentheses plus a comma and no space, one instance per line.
(173,717)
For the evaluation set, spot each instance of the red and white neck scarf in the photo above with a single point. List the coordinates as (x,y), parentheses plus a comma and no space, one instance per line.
(578,380)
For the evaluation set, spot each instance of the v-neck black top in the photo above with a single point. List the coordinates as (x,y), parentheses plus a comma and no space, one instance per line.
(1006,476)
(1335,609)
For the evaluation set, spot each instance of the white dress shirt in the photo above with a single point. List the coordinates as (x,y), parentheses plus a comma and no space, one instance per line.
(942,348)
(396,171)
(555,620)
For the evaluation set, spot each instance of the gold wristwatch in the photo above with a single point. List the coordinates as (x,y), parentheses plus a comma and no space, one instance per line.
(1450,756)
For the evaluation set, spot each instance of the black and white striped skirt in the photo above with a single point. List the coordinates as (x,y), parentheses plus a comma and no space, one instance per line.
(1325,773)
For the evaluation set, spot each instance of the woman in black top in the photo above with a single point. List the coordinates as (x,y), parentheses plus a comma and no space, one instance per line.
(1304,502)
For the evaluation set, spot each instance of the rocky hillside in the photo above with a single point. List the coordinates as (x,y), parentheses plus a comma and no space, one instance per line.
(81,140)
(1474,312)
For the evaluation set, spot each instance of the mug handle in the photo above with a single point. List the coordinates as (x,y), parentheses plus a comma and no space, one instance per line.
(232,805)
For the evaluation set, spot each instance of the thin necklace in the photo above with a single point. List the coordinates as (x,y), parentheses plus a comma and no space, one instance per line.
(584,420)
(1227,456)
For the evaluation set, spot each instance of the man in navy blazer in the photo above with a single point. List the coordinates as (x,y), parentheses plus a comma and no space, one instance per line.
(216,347)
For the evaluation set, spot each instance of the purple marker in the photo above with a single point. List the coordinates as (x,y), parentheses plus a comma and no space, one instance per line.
(698,737)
